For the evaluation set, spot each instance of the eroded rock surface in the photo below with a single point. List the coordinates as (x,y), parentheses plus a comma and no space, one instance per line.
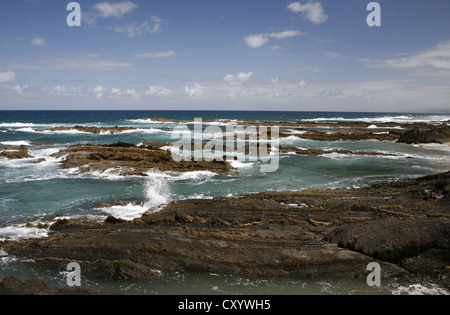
(296,234)
(130,159)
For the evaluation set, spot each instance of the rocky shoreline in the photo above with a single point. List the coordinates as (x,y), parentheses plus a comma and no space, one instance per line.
(403,225)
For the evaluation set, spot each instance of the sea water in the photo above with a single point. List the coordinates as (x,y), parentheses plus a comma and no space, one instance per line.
(36,192)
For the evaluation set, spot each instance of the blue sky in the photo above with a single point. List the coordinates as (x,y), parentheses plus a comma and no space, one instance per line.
(225,55)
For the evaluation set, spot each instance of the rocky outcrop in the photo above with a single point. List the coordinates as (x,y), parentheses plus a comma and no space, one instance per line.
(296,234)
(15,153)
(317,152)
(93,130)
(130,159)
(435,134)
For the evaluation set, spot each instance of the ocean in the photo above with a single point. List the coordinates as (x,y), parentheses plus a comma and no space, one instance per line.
(32,192)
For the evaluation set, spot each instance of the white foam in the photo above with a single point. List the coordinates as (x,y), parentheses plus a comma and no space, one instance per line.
(139,130)
(157,192)
(128,212)
(147,121)
(70,132)
(15,143)
(16,125)
(239,164)
(297,132)
(27,129)
(419,289)
(20,232)
(386,119)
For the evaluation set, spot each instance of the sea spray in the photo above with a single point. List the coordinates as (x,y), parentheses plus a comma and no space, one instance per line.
(157,189)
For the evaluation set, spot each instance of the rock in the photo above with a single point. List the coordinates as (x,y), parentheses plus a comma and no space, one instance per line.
(15,153)
(316,152)
(133,160)
(435,134)
(338,234)
(93,130)
(39,161)
(14,286)
(113,220)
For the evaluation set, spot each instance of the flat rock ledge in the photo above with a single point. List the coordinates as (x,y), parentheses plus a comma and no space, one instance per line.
(403,225)
(130,159)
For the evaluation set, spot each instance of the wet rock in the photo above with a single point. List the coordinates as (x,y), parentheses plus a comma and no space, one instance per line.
(132,160)
(433,134)
(317,152)
(39,161)
(334,233)
(15,153)
(14,286)
(113,220)
(93,130)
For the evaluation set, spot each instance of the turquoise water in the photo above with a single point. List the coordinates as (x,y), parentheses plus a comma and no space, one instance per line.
(31,192)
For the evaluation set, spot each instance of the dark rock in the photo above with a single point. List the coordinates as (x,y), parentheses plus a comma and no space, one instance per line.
(439,134)
(113,220)
(335,233)
(133,160)
(93,130)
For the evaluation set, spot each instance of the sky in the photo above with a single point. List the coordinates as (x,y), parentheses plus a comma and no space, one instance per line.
(318,55)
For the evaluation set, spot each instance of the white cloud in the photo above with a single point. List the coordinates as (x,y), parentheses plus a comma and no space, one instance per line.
(285,34)
(19,89)
(117,10)
(311,11)
(432,61)
(131,93)
(99,91)
(153,26)
(237,79)
(335,55)
(156,55)
(158,91)
(195,91)
(258,40)
(38,41)
(7,77)
(274,80)
(59,89)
